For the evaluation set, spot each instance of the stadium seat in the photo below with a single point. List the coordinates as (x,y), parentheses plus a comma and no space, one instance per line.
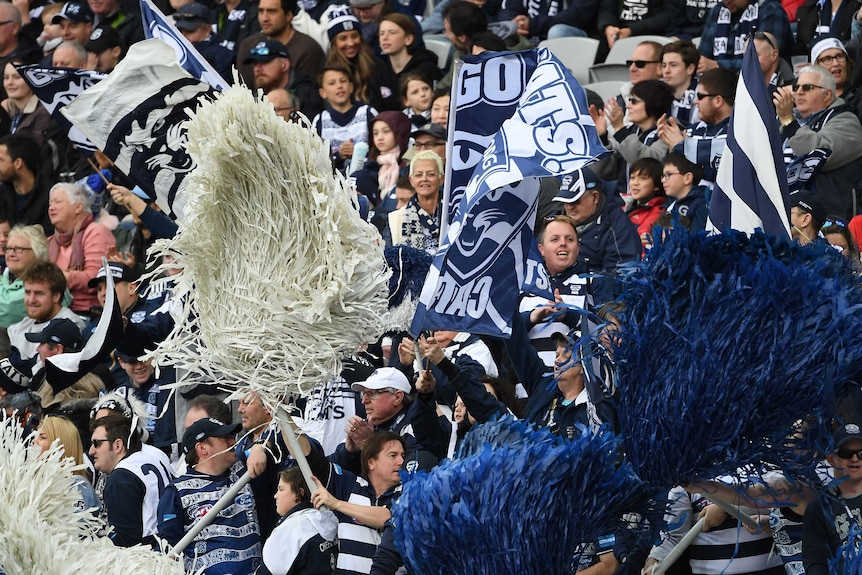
(624,47)
(606,90)
(577,54)
(609,73)
(442,48)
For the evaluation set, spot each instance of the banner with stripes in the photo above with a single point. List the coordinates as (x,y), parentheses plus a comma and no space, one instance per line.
(751,186)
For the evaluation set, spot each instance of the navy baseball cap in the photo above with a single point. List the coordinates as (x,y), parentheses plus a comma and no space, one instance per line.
(120,273)
(191,16)
(576,184)
(845,433)
(207,427)
(434,130)
(74,12)
(102,39)
(59,330)
(266,51)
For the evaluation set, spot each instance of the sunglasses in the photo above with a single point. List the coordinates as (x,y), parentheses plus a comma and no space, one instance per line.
(765,38)
(98,442)
(848,454)
(838,223)
(633,101)
(265,51)
(701,96)
(641,63)
(806,87)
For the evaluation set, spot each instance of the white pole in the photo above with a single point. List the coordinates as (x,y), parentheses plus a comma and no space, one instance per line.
(211,514)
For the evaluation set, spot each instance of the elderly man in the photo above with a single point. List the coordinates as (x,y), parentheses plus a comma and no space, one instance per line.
(823,122)
(70,55)
(390,406)
(730,22)
(276,18)
(273,69)
(608,238)
(284,104)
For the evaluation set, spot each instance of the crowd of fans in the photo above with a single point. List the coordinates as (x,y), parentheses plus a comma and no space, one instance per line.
(361,74)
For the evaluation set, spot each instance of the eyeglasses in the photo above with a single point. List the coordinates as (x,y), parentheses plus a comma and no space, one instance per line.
(765,38)
(98,442)
(641,63)
(375,393)
(282,109)
(634,101)
(797,213)
(838,58)
(4,22)
(806,87)
(427,145)
(701,96)
(849,453)
(17,249)
(668,175)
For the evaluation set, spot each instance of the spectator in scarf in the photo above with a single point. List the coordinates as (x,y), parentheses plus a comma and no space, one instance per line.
(78,243)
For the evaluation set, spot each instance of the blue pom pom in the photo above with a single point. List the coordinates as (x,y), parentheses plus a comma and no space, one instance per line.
(728,342)
(409,267)
(517,500)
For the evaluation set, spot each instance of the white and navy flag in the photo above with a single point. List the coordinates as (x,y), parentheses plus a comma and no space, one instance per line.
(56,87)
(157,25)
(478,271)
(751,186)
(137,117)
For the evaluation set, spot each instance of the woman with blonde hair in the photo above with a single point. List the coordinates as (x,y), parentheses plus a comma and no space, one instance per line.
(25,245)
(57,428)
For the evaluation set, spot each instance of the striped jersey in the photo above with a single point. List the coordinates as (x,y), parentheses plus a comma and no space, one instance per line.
(231,544)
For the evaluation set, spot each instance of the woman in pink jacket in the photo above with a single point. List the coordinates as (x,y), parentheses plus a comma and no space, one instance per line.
(78,243)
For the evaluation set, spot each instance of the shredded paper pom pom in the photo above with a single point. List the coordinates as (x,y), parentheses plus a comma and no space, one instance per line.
(40,529)
(280,277)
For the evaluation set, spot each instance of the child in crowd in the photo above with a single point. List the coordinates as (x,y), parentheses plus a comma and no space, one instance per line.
(50,37)
(343,121)
(389,134)
(416,95)
(647,193)
(440,108)
(680,178)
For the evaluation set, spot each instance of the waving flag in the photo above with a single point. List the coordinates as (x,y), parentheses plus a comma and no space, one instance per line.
(478,271)
(56,87)
(136,117)
(156,25)
(751,186)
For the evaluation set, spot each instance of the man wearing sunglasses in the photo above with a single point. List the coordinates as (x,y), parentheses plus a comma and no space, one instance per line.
(837,511)
(822,121)
(703,143)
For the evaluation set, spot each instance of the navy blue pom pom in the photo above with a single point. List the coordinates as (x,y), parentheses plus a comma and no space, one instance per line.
(409,267)
(518,500)
(729,341)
